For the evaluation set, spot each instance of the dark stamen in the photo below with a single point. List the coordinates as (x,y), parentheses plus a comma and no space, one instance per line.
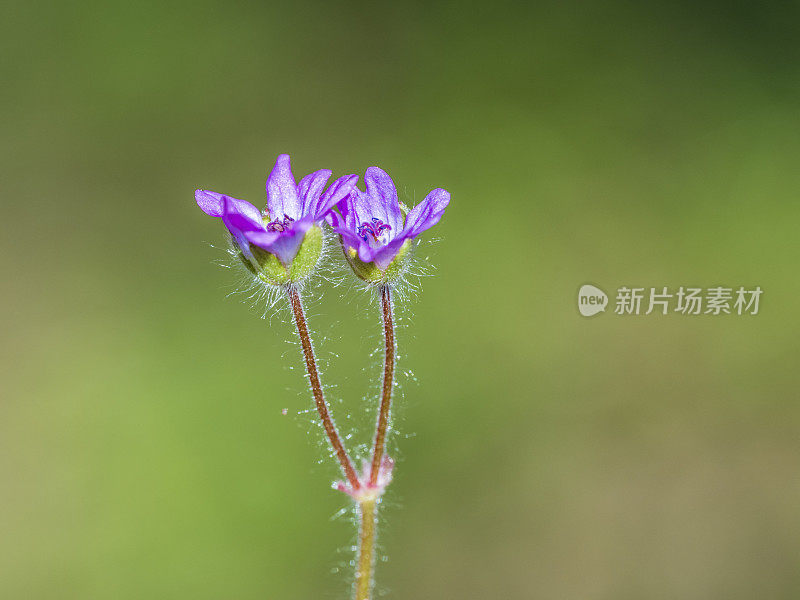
(278,225)
(374,229)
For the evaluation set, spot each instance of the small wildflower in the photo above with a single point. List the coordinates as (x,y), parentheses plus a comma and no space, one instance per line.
(377,231)
(283,244)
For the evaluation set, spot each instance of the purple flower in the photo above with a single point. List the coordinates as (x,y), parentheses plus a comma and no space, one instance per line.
(292,209)
(372,222)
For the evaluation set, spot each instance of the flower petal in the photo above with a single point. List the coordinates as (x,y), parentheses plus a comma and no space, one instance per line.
(310,189)
(363,207)
(213,204)
(341,224)
(286,245)
(384,194)
(210,202)
(350,239)
(334,219)
(338,190)
(381,256)
(384,255)
(365,251)
(427,213)
(241,217)
(282,197)
(347,209)
(263,239)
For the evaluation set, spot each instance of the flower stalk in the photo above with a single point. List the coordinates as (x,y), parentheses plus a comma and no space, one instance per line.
(384,410)
(365,564)
(282,247)
(316,388)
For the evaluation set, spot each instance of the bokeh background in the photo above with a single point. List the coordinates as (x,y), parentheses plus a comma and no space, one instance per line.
(143,452)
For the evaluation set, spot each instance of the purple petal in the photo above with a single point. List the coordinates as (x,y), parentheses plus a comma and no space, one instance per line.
(427,213)
(241,217)
(310,189)
(350,239)
(384,255)
(246,209)
(340,225)
(334,219)
(286,244)
(365,252)
(213,204)
(282,191)
(347,209)
(381,188)
(210,202)
(338,190)
(363,207)
(263,239)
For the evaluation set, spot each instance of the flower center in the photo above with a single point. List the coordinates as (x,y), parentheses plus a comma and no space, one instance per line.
(375,231)
(280,225)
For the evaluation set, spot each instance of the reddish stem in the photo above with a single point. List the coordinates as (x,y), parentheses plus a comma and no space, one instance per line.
(316,389)
(386,391)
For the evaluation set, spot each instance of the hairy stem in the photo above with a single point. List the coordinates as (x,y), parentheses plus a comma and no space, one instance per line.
(316,388)
(386,389)
(367,517)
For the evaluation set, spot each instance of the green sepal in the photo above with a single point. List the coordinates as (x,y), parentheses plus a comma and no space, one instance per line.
(308,255)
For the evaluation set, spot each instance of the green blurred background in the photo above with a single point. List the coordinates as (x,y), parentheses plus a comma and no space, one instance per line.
(143,453)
